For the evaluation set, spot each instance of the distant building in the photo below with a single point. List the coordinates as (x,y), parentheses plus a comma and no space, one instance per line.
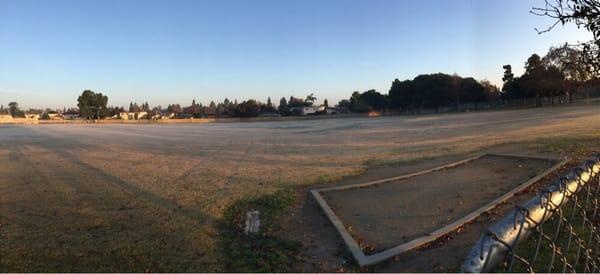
(51,115)
(304,110)
(70,115)
(32,115)
(167,115)
(133,115)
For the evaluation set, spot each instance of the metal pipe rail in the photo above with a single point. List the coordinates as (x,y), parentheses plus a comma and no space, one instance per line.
(500,240)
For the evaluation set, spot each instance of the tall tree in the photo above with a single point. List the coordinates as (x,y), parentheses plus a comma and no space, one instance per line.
(92,105)
(248,108)
(283,106)
(13,109)
(508,74)
(568,61)
(269,107)
(310,99)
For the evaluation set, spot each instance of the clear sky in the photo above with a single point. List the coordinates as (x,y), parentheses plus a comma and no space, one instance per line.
(174,51)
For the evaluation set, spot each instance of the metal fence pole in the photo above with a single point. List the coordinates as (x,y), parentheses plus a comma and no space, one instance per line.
(561,217)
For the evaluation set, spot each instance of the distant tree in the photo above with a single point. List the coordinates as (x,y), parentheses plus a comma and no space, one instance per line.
(401,94)
(269,106)
(344,104)
(508,75)
(310,99)
(472,91)
(283,106)
(296,102)
(540,80)
(325,103)
(492,92)
(13,109)
(174,108)
(131,109)
(568,61)
(373,99)
(357,104)
(248,108)
(92,105)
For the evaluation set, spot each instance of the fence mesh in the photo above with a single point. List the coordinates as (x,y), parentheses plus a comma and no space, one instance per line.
(557,231)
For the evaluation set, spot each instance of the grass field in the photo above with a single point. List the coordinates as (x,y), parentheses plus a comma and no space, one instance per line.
(153,197)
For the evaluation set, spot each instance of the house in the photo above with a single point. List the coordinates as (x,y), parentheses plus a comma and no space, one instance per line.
(140,115)
(304,110)
(124,115)
(70,115)
(51,115)
(32,115)
(133,115)
(167,115)
(156,115)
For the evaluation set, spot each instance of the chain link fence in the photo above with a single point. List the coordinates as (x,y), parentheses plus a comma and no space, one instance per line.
(556,231)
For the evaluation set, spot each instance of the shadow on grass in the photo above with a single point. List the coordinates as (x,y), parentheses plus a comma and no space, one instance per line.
(263,251)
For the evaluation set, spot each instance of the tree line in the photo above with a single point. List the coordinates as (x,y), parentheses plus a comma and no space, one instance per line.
(559,72)
(562,71)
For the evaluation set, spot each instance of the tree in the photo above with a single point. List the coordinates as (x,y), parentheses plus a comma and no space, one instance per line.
(584,14)
(508,75)
(310,99)
(269,106)
(325,103)
(296,102)
(492,93)
(356,104)
(211,109)
(283,106)
(344,104)
(13,109)
(567,60)
(373,99)
(174,108)
(248,108)
(92,105)
(401,94)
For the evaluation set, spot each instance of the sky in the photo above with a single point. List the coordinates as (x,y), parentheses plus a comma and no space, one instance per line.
(174,51)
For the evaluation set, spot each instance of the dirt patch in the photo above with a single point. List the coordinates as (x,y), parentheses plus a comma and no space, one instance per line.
(386,215)
(325,251)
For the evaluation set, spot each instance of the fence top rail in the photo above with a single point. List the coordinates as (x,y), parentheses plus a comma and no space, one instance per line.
(517,225)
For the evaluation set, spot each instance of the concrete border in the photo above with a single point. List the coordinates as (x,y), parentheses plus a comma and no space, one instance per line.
(365,260)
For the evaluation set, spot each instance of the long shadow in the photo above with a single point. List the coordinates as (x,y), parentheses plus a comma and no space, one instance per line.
(60,146)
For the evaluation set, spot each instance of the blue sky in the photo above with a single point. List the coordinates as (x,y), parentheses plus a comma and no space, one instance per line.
(175,51)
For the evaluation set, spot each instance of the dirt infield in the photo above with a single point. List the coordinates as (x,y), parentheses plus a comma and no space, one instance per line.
(148,197)
(390,214)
